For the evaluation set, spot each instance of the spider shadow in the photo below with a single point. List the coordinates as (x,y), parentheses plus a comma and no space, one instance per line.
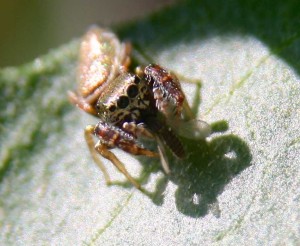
(202,176)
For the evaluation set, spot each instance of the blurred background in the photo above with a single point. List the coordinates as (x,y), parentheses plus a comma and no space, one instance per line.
(30,28)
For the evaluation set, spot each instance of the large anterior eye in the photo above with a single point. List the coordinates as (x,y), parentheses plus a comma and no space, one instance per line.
(123,102)
(132,91)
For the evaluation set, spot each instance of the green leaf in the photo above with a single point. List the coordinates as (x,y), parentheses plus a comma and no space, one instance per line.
(241,186)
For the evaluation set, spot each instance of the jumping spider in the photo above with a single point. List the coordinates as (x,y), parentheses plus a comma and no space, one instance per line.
(148,103)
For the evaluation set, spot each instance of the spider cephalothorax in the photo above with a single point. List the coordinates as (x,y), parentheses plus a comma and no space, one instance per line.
(124,100)
(148,103)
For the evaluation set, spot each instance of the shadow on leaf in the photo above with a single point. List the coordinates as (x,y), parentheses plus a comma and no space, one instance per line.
(202,176)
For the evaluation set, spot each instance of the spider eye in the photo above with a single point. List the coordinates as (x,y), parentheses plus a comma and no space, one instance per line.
(112,108)
(136,79)
(132,91)
(123,102)
(99,105)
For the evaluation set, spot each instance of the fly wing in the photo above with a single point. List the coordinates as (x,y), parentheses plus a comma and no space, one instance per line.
(192,129)
(188,126)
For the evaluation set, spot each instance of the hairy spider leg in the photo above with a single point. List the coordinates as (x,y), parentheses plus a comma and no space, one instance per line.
(82,103)
(103,151)
(138,130)
(175,78)
(111,137)
(125,54)
(88,134)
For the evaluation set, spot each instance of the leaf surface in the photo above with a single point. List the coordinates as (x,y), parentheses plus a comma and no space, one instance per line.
(240,186)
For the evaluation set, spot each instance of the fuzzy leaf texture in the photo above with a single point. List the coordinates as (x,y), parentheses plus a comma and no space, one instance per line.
(240,186)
